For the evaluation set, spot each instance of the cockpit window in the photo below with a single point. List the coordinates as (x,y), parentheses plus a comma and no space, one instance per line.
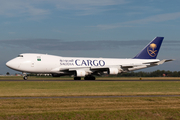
(20,55)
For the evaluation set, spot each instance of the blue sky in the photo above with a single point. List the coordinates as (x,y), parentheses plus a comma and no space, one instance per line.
(94,28)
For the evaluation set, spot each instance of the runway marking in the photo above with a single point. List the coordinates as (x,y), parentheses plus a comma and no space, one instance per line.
(123,96)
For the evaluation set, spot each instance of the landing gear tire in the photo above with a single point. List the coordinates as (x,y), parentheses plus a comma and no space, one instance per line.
(89,78)
(25,77)
(77,78)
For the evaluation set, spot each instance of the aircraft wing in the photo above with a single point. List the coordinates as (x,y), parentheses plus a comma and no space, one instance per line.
(112,69)
(161,62)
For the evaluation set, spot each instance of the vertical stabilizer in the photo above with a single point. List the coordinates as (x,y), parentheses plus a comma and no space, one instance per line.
(151,50)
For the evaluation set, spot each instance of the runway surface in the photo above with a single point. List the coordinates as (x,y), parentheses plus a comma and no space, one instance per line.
(123,96)
(31,80)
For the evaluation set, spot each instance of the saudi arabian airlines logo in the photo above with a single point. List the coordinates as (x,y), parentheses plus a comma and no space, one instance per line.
(152,50)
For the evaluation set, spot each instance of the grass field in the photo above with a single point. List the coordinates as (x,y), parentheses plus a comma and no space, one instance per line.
(130,108)
(99,108)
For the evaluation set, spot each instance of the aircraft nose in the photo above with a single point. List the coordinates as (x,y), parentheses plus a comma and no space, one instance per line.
(12,64)
(9,63)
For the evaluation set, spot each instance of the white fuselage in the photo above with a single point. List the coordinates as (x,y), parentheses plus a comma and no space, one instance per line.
(43,63)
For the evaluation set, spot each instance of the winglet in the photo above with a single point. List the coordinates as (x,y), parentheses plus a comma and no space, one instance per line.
(151,50)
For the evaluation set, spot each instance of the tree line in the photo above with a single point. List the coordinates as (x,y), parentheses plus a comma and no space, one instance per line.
(157,73)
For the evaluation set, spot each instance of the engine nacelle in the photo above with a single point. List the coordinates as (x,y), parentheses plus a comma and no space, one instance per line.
(81,73)
(113,71)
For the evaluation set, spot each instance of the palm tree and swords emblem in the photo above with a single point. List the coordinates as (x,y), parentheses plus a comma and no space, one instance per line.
(151,49)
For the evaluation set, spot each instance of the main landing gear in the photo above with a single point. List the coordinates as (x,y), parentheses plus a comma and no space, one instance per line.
(89,77)
(77,78)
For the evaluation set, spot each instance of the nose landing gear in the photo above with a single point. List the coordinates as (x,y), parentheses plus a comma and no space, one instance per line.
(25,77)
(89,77)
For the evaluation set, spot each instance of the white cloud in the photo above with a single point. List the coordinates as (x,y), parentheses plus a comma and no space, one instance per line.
(18,8)
(55,44)
(35,8)
(12,32)
(151,19)
(75,4)
(87,7)
(158,18)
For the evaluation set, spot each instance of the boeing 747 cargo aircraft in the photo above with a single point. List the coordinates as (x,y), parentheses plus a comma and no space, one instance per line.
(86,67)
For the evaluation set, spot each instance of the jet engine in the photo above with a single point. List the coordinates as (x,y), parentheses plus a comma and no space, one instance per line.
(81,73)
(113,71)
